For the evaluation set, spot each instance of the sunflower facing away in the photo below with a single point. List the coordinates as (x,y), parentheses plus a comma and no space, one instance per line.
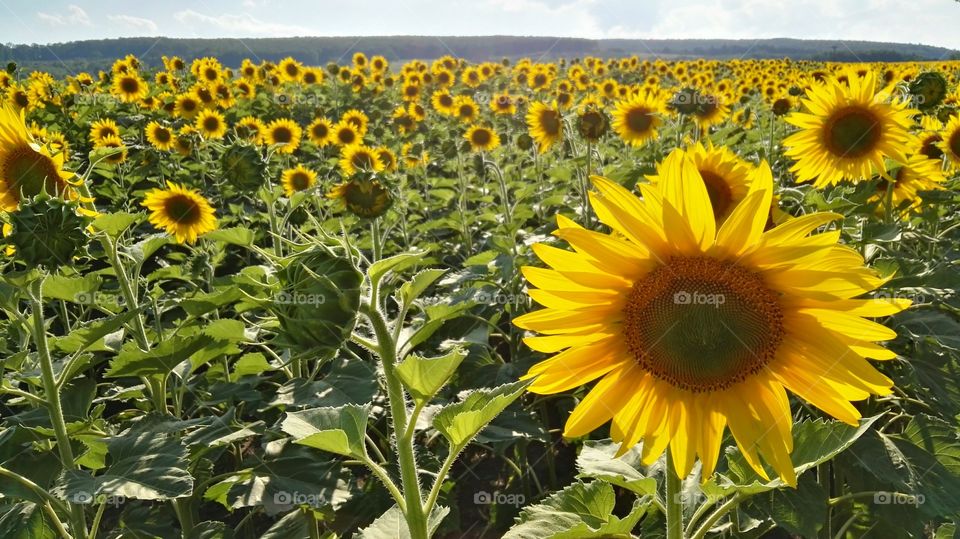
(691,328)
(846,132)
(183,213)
(26,168)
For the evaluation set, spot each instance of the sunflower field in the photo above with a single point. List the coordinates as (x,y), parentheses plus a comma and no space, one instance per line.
(581,298)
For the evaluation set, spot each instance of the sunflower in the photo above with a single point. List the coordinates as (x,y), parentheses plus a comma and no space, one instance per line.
(181,212)
(482,139)
(919,173)
(414,156)
(290,69)
(119,155)
(950,145)
(160,136)
(320,132)
(443,102)
(545,124)
(503,104)
(102,129)
(186,106)
(387,157)
(285,133)
(211,124)
(358,119)
(363,197)
(297,179)
(345,133)
(465,109)
(26,168)
(184,141)
(847,131)
(690,328)
(130,88)
(726,177)
(250,129)
(357,157)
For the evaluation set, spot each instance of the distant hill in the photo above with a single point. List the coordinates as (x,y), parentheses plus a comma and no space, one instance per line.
(98,54)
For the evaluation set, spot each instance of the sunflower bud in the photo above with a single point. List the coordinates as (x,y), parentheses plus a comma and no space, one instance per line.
(928,90)
(592,124)
(318,304)
(47,232)
(243,167)
(364,196)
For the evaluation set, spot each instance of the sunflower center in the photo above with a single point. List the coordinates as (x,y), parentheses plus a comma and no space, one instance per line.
(955,143)
(162,135)
(639,120)
(182,210)
(282,134)
(719,192)
(300,181)
(702,324)
(481,137)
(129,85)
(320,131)
(28,172)
(346,136)
(852,132)
(930,147)
(550,122)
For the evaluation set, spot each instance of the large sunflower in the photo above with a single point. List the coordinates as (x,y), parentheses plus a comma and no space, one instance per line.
(545,124)
(181,212)
(726,177)
(847,131)
(636,119)
(26,168)
(690,328)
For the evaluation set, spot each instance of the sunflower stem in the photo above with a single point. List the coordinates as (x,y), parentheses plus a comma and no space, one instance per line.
(673,500)
(78,520)
(387,347)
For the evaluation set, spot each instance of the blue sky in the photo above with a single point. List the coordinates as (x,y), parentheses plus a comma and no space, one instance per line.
(931,22)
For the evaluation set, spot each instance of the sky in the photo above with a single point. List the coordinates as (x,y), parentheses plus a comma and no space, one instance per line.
(930,22)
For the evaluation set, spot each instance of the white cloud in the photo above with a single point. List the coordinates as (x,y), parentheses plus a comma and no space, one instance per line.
(242,23)
(75,16)
(135,23)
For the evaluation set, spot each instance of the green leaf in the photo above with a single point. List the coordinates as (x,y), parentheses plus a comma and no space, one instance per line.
(423,377)
(393,525)
(115,224)
(293,525)
(73,289)
(597,460)
(926,324)
(460,422)
(801,511)
(131,361)
(251,364)
(25,521)
(243,237)
(378,270)
(337,430)
(143,466)
(579,511)
(412,289)
(92,334)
